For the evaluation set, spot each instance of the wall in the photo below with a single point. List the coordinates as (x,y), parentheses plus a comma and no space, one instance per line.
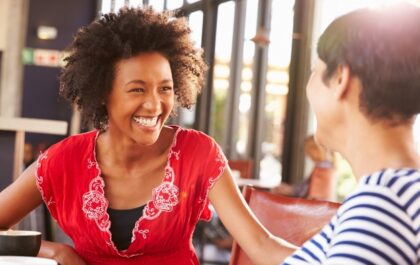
(3,23)
(12,34)
(40,83)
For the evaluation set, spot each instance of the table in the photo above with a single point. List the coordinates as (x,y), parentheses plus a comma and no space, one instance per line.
(259,183)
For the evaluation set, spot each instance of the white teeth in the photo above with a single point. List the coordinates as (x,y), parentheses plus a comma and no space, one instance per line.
(148,122)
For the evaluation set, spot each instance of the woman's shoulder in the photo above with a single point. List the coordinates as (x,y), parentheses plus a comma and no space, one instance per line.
(398,180)
(193,135)
(395,189)
(73,145)
(196,144)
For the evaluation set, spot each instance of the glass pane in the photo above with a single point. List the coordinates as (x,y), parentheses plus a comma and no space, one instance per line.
(118,5)
(136,3)
(195,20)
(246,78)
(105,6)
(186,117)
(174,4)
(157,4)
(276,89)
(224,34)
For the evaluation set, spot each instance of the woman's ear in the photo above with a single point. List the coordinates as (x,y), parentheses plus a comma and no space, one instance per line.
(342,81)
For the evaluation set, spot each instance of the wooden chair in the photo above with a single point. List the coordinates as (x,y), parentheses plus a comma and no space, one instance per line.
(243,166)
(293,219)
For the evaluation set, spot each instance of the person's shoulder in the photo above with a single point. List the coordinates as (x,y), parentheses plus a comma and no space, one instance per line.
(193,136)
(397,180)
(395,189)
(73,144)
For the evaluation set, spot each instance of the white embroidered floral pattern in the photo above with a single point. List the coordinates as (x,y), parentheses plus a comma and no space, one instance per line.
(95,204)
(91,163)
(176,154)
(143,233)
(41,157)
(164,198)
(221,159)
(40,179)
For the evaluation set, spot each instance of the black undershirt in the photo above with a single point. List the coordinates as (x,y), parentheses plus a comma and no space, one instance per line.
(122,224)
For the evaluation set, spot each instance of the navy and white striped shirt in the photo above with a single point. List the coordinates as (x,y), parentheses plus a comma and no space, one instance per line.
(379,223)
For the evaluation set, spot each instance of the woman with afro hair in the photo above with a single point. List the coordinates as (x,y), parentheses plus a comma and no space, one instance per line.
(132,190)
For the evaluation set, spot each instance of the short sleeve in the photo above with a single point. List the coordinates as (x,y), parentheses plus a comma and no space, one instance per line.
(214,165)
(45,168)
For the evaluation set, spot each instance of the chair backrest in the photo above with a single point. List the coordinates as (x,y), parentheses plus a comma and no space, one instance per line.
(243,166)
(293,219)
(321,183)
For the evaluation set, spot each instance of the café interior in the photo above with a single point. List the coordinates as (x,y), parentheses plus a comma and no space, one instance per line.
(259,53)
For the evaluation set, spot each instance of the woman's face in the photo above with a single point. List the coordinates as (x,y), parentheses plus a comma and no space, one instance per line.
(322,101)
(141,99)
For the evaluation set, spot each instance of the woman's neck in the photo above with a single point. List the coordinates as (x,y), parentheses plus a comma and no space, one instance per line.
(376,146)
(120,152)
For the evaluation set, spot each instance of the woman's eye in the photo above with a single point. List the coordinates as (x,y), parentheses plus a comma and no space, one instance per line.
(166,88)
(136,90)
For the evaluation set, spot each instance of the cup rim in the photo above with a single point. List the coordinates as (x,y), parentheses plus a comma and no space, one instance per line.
(19,233)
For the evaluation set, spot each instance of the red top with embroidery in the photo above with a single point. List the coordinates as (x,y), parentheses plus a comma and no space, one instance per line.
(71,185)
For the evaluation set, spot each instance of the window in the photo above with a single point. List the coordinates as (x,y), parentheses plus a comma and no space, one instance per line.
(173,4)
(276,88)
(186,117)
(157,4)
(245,96)
(221,71)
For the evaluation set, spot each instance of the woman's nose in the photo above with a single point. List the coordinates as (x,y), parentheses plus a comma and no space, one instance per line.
(152,102)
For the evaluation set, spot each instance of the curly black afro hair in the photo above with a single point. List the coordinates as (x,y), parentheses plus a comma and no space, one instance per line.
(87,77)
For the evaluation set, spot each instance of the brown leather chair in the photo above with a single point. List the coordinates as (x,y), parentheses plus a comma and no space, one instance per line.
(243,166)
(293,219)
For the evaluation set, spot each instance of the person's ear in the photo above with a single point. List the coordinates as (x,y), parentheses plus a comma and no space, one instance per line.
(342,81)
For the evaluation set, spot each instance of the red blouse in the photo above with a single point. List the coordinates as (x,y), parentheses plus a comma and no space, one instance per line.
(70,182)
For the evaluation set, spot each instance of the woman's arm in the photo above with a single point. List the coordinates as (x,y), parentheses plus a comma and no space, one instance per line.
(62,253)
(259,244)
(18,200)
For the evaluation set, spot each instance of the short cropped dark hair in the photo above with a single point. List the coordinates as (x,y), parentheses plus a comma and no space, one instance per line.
(86,79)
(382,48)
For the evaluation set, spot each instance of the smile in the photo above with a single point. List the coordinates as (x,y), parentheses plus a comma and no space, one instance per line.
(147,122)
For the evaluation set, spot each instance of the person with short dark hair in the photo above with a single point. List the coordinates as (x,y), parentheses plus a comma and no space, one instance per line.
(365,92)
(132,190)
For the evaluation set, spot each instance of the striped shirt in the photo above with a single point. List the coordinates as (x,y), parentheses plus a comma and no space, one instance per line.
(379,223)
